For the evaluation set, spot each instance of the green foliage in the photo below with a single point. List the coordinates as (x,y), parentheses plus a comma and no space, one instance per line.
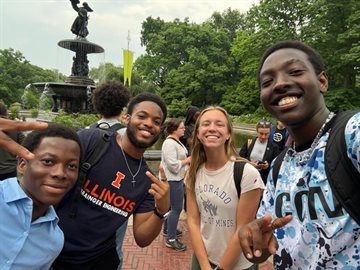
(75,121)
(34,113)
(16,73)
(343,98)
(14,111)
(177,108)
(30,99)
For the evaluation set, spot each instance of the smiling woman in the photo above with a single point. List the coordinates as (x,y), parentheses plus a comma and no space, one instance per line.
(213,219)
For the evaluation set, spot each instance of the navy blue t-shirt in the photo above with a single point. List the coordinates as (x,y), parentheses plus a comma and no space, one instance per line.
(108,198)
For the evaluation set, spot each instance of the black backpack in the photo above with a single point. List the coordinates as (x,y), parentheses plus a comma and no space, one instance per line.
(343,177)
(113,128)
(92,158)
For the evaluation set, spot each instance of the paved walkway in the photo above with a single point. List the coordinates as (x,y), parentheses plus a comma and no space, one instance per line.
(157,256)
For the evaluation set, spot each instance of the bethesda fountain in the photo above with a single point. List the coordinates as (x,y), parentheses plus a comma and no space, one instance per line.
(74,94)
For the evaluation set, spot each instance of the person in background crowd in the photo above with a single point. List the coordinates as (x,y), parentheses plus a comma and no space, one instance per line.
(30,236)
(215,211)
(279,135)
(117,186)
(305,225)
(260,150)
(8,161)
(175,162)
(192,114)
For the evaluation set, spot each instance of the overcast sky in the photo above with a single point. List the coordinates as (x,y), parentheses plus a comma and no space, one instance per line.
(34,27)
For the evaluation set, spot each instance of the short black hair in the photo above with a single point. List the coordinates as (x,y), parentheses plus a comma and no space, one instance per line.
(172,125)
(313,56)
(33,139)
(110,97)
(146,96)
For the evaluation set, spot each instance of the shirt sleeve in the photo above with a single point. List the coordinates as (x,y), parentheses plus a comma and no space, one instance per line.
(170,157)
(251,179)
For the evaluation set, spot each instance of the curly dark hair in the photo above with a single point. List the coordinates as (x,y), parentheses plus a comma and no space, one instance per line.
(313,56)
(110,98)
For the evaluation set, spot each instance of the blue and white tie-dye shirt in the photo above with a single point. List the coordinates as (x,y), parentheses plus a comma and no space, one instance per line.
(321,234)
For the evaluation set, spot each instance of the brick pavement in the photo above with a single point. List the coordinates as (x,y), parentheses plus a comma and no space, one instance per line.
(156,256)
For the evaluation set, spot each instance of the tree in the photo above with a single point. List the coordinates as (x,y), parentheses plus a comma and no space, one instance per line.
(16,73)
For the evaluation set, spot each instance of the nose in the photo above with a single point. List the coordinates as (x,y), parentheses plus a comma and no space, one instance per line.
(281,82)
(148,122)
(59,171)
(212,127)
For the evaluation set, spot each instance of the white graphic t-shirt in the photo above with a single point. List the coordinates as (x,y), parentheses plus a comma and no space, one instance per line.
(217,200)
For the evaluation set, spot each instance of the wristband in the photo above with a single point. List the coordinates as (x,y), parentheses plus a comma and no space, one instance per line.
(157,213)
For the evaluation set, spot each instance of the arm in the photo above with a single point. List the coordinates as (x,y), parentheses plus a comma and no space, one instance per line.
(193,220)
(171,159)
(245,213)
(147,226)
(10,145)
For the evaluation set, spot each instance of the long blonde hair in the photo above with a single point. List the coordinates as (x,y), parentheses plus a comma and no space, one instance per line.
(198,156)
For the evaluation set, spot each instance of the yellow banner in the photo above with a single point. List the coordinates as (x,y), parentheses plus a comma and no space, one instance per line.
(128,62)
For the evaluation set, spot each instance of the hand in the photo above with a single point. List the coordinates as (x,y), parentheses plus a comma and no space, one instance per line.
(10,145)
(186,160)
(257,237)
(160,190)
(256,164)
(264,165)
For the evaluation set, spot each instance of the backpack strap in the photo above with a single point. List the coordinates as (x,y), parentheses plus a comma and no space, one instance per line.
(238,173)
(277,164)
(344,178)
(90,160)
(106,126)
(116,127)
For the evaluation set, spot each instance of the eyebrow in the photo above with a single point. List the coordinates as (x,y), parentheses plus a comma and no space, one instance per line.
(286,63)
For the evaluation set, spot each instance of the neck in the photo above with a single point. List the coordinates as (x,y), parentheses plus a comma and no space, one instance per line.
(38,211)
(173,136)
(306,132)
(133,151)
(215,159)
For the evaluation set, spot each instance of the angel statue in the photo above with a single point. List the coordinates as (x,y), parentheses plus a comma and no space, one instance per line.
(79,26)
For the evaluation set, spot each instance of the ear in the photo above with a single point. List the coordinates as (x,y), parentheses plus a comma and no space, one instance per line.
(21,166)
(323,82)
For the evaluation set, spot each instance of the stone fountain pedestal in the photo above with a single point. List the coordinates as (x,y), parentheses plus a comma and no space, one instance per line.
(73,95)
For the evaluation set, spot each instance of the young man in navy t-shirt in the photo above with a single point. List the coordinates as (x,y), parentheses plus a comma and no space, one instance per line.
(119,185)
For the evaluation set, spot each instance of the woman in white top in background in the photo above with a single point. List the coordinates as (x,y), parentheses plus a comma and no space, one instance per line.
(174,161)
(215,212)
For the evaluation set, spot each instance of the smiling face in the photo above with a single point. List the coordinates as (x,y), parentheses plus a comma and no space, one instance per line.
(213,130)
(52,172)
(144,125)
(290,89)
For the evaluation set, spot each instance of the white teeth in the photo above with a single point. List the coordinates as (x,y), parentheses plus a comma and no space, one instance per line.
(287,100)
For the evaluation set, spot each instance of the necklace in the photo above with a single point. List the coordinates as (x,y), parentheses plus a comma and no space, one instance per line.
(128,167)
(304,157)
